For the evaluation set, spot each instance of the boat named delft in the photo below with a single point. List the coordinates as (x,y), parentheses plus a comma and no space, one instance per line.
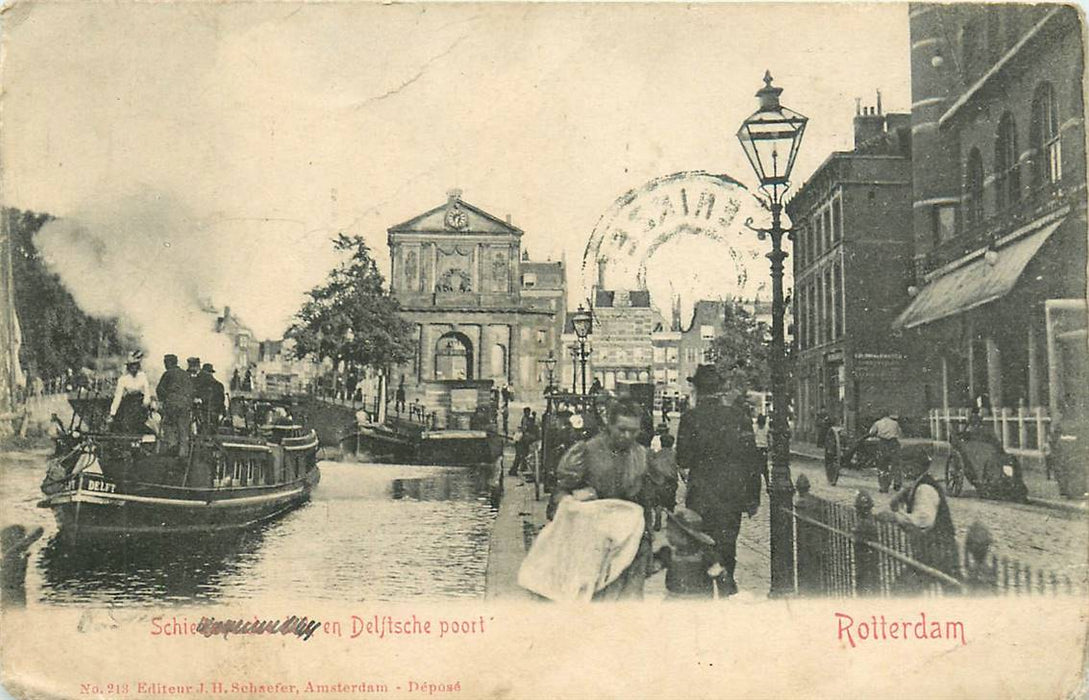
(262,465)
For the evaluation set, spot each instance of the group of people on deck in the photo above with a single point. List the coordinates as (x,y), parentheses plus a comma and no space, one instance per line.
(182,398)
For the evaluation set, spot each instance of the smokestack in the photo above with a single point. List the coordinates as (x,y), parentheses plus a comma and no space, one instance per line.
(879,102)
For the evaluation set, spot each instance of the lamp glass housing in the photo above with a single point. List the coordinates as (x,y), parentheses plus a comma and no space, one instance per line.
(771,137)
(582,322)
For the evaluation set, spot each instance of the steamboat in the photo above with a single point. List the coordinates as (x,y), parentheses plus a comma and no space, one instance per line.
(458,429)
(258,463)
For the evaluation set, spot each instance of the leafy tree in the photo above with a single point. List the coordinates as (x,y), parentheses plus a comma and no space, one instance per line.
(57,334)
(742,350)
(351,317)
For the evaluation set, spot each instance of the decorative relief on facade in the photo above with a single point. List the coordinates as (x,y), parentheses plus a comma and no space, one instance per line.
(454,280)
(411,262)
(500,278)
(456,270)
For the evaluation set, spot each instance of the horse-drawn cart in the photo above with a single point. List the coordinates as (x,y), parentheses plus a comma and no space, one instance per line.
(973,457)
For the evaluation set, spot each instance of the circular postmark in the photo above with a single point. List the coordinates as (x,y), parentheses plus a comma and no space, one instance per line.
(681,235)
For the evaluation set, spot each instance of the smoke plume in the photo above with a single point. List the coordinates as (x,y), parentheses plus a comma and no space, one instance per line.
(163,274)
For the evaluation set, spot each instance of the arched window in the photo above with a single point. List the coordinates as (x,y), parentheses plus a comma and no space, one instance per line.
(973,189)
(1006,166)
(1047,152)
(499,361)
(453,357)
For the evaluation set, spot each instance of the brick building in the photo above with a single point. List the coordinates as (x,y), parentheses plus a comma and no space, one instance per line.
(852,268)
(244,346)
(622,350)
(481,309)
(999,214)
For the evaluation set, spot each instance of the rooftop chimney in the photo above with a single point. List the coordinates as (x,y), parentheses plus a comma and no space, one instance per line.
(869,124)
(601,273)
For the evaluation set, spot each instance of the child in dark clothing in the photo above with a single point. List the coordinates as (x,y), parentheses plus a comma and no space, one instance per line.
(690,561)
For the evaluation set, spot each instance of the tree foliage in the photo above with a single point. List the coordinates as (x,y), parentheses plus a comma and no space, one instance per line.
(742,350)
(350,317)
(57,334)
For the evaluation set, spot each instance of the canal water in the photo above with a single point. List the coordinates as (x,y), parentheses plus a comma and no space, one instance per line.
(370,532)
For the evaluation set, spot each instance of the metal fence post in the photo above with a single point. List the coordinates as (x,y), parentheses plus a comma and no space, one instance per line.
(867,575)
(809,540)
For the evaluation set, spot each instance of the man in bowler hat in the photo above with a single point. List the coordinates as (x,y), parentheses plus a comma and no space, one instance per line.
(210,392)
(715,443)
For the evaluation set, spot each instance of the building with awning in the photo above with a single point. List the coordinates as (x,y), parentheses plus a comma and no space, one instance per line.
(985,276)
(997,310)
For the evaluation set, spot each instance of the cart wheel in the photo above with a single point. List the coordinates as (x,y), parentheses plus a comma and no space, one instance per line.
(954,474)
(833,453)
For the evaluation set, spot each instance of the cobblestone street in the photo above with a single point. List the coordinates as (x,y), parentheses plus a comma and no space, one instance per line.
(1039,536)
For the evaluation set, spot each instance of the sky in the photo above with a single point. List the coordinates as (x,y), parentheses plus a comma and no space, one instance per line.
(263,129)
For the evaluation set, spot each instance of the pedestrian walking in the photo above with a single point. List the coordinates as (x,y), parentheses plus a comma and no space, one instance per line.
(527,435)
(613,465)
(692,568)
(665,463)
(760,437)
(175,392)
(715,444)
(399,398)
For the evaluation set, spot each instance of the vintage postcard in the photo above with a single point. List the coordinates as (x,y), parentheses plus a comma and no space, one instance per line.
(543,350)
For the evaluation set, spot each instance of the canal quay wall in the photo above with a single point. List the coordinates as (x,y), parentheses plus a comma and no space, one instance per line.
(332,422)
(519,519)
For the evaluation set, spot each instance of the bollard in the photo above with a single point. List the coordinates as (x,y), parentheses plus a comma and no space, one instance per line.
(980,570)
(867,573)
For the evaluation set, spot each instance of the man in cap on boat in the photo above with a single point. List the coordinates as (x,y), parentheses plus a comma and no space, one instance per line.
(131,398)
(175,392)
(210,392)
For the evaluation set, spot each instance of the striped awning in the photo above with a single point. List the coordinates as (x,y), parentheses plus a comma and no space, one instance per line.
(976,283)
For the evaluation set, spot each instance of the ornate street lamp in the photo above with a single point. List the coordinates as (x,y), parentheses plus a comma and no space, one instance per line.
(583,323)
(550,365)
(771,137)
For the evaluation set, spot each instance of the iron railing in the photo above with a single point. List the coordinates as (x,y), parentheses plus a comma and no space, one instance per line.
(846,552)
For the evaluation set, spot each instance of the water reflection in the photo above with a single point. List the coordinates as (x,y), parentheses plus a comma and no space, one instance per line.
(155,569)
(370,532)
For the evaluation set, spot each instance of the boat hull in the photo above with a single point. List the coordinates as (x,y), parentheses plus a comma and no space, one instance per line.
(440,447)
(93,505)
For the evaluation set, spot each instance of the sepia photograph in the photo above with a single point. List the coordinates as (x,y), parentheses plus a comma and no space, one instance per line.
(527,350)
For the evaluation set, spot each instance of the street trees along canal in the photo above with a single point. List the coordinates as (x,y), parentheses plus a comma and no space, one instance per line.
(57,334)
(351,317)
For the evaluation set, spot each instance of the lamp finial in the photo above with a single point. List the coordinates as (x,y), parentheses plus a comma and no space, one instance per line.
(767,77)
